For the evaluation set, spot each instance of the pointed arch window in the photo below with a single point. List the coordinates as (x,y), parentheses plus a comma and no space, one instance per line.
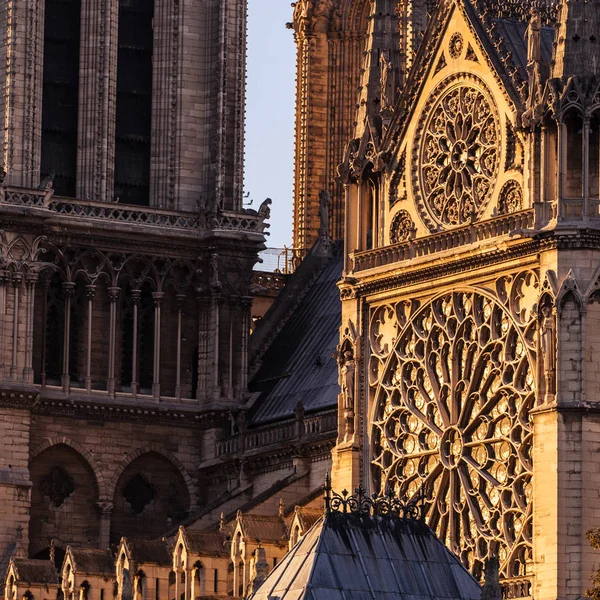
(60,94)
(134,102)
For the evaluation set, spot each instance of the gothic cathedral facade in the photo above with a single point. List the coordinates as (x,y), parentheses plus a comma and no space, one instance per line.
(470,302)
(126,259)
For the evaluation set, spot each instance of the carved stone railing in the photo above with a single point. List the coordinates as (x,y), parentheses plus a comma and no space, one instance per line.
(122,213)
(291,430)
(236,221)
(25,197)
(516,587)
(125,214)
(446,240)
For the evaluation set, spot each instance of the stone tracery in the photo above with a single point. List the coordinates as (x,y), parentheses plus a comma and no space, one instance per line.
(451,419)
(458,154)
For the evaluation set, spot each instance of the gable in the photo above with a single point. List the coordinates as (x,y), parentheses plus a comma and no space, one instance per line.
(457,152)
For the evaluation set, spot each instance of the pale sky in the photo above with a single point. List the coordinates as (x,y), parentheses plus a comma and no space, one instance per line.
(270,114)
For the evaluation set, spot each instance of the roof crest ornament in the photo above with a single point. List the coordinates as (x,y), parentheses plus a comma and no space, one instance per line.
(384,505)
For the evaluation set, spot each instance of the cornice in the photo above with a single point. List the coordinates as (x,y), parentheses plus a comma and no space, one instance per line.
(113,412)
(558,239)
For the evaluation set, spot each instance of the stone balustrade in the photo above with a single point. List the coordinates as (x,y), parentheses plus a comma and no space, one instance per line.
(142,215)
(446,240)
(267,435)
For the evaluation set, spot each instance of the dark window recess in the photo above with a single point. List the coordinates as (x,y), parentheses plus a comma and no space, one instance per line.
(60,96)
(134,102)
(54,331)
(138,493)
(57,486)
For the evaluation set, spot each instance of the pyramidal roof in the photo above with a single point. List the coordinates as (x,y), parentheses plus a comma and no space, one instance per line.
(357,555)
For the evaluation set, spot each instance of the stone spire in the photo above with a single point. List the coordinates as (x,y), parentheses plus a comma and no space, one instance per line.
(577,48)
(382,74)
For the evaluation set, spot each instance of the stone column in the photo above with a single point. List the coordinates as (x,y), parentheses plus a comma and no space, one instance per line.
(68,289)
(113,294)
(158,298)
(246,307)
(105,514)
(180,302)
(136,298)
(30,283)
(17,279)
(97,87)
(560,167)
(90,292)
(585,134)
(4,358)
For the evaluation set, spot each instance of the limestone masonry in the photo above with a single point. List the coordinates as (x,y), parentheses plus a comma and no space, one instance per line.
(440,338)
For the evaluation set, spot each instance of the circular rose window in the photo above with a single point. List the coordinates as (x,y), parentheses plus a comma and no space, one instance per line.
(458,155)
(452,422)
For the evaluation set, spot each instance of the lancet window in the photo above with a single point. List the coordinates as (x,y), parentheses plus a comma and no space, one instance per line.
(60,95)
(134,101)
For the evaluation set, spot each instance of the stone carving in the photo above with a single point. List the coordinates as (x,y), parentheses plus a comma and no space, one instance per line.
(458,155)
(387,81)
(324,200)
(264,209)
(511,198)
(451,418)
(456,45)
(57,486)
(402,228)
(347,372)
(547,321)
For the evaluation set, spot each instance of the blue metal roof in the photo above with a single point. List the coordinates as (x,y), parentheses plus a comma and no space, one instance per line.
(349,556)
(299,363)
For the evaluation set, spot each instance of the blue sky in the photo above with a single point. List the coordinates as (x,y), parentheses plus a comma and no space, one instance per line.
(270,113)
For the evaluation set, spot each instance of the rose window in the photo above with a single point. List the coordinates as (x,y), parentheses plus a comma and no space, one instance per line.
(451,421)
(459,156)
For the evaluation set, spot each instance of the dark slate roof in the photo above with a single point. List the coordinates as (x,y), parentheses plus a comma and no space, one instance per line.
(264,529)
(347,556)
(514,35)
(299,363)
(150,551)
(35,571)
(90,560)
(213,543)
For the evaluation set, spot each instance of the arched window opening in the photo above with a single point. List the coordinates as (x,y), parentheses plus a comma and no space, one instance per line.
(60,95)
(76,337)
(55,314)
(550,159)
(370,211)
(140,584)
(198,580)
(126,586)
(594,160)
(573,173)
(128,325)
(134,102)
(146,340)
(84,591)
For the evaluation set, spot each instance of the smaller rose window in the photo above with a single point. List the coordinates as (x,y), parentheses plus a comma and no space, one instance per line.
(459,156)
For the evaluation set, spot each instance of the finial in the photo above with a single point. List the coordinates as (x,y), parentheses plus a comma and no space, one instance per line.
(222,521)
(52,550)
(281,507)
